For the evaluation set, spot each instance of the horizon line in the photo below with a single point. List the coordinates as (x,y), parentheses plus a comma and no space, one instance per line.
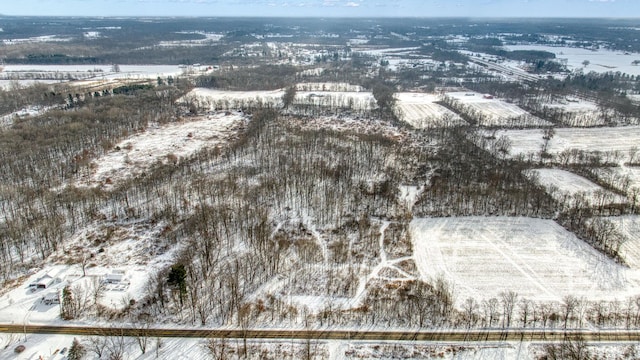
(323,17)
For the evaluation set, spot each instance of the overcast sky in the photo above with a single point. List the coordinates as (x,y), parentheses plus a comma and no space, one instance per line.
(325,8)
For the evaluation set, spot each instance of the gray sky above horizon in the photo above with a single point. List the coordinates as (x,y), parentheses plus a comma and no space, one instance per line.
(326,8)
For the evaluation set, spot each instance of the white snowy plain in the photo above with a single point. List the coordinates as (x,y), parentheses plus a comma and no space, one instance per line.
(421,111)
(537,259)
(223,99)
(624,139)
(600,61)
(497,112)
(561,183)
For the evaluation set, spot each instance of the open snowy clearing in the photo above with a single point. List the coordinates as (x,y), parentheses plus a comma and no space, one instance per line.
(601,60)
(421,111)
(328,86)
(579,113)
(36,39)
(165,144)
(496,112)
(537,259)
(208,38)
(563,185)
(10,84)
(623,140)
(66,72)
(221,99)
(359,100)
(7,120)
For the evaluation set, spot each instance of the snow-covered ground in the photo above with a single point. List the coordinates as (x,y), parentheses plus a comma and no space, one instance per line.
(40,346)
(51,346)
(7,120)
(165,144)
(9,84)
(601,60)
(613,139)
(579,113)
(563,185)
(60,72)
(496,112)
(409,195)
(421,111)
(624,178)
(358,100)
(208,39)
(378,52)
(36,39)
(537,259)
(629,227)
(222,99)
(327,86)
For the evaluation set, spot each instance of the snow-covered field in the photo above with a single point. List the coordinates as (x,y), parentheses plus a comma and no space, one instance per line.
(579,113)
(222,99)
(36,39)
(60,72)
(9,84)
(7,120)
(165,144)
(613,139)
(537,259)
(601,60)
(208,39)
(496,112)
(563,185)
(328,86)
(359,100)
(421,111)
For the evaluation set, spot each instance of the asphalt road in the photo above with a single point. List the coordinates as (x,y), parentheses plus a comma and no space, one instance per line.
(369,335)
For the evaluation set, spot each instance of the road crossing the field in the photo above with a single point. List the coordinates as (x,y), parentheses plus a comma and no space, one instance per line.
(472,335)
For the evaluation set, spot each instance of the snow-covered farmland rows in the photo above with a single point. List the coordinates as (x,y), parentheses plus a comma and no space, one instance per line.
(623,140)
(537,259)
(421,111)
(565,186)
(168,143)
(495,112)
